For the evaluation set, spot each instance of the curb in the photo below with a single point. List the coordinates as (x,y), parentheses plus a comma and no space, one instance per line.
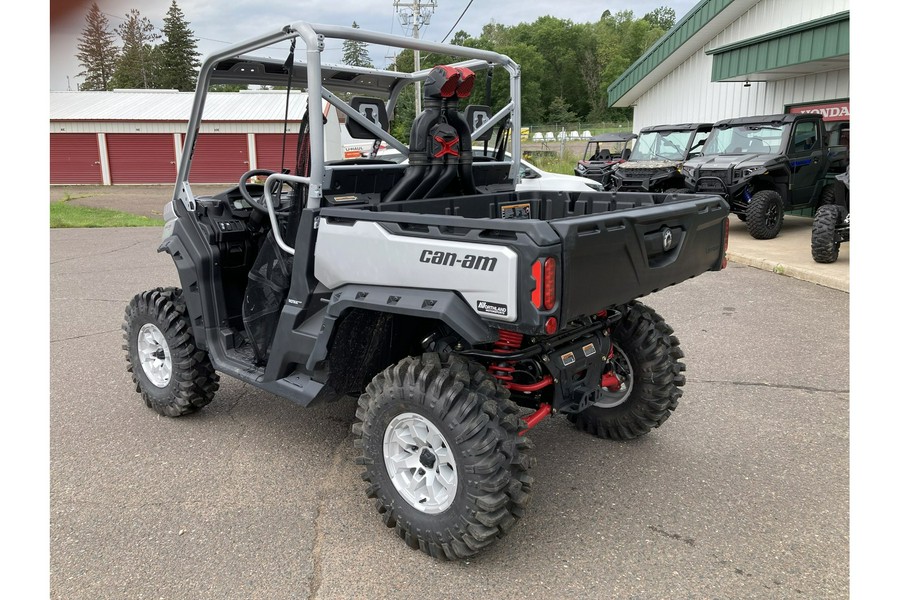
(837,283)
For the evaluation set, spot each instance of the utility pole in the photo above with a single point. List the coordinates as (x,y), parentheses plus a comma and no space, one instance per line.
(416,13)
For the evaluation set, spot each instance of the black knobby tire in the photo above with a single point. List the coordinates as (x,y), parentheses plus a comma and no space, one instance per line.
(192,382)
(826,245)
(765,214)
(480,425)
(644,345)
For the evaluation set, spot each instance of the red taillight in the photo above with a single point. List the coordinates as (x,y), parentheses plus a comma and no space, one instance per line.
(551,326)
(549,283)
(536,294)
(725,254)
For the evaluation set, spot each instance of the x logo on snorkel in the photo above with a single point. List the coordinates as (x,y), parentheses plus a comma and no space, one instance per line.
(446,146)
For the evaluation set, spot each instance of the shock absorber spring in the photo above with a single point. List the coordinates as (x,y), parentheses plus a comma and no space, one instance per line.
(507,343)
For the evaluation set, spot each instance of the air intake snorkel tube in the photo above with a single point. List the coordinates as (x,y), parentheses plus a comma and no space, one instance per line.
(440,81)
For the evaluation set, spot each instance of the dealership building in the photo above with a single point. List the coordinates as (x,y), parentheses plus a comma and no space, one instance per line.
(737,58)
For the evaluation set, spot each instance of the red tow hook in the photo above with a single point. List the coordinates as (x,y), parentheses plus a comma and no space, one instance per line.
(536,417)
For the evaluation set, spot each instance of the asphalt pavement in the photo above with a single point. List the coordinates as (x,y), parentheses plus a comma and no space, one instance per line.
(743,493)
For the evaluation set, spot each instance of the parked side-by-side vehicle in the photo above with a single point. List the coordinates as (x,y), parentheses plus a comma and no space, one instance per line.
(766,165)
(458,310)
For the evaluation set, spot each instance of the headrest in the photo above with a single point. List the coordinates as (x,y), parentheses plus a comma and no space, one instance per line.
(372,109)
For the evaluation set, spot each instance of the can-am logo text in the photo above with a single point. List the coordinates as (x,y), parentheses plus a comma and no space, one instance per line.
(451,259)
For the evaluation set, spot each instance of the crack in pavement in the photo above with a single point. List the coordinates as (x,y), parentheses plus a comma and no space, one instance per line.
(777,386)
(316,579)
(673,536)
(88,300)
(86,335)
(132,245)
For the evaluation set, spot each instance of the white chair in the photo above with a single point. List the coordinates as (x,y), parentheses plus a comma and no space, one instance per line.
(585,135)
(538,137)
(549,137)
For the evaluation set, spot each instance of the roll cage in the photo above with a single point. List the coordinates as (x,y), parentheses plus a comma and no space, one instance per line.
(323,82)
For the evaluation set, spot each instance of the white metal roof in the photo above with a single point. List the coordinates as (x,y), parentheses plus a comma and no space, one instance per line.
(171,105)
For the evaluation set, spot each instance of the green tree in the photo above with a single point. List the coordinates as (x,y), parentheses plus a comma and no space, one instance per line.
(178,55)
(662,17)
(97,51)
(135,68)
(356,53)
(228,87)
(558,112)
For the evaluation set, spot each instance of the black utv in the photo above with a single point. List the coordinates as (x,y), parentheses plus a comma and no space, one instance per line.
(602,153)
(766,165)
(655,162)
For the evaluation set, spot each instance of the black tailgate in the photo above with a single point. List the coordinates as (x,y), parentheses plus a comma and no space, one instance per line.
(613,257)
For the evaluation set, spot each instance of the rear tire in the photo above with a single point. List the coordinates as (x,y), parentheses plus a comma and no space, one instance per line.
(646,356)
(171,374)
(765,214)
(451,424)
(825,243)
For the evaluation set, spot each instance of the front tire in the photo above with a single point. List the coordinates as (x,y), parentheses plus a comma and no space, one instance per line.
(765,214)
(826,245)
(442,455)
(646,360)
(171,374)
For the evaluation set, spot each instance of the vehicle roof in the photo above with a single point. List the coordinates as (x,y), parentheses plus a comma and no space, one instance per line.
(613,137)
(766,119)
(256,70)
(679,127)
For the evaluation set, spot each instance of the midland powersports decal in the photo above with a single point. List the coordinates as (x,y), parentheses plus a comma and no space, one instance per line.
(451,259)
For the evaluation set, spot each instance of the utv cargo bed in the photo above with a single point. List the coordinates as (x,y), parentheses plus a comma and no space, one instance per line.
(614,247)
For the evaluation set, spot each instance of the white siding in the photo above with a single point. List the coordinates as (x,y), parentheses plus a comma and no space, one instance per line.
(687,94)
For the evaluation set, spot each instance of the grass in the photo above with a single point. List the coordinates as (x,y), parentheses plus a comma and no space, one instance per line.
(63,214)
(552,163)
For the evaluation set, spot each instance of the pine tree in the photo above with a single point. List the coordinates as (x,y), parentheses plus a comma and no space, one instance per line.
(178,53)
(135,68)
(97,51)
(356,53)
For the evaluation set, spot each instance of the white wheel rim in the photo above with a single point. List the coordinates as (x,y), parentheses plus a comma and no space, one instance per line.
(153,352)
(420,463)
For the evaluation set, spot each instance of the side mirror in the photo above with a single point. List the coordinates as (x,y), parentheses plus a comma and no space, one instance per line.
(529,174)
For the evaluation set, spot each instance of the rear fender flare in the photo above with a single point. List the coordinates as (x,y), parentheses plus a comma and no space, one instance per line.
(439,305)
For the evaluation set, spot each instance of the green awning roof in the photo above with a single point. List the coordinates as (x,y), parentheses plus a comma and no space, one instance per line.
(811,47)
(695,20)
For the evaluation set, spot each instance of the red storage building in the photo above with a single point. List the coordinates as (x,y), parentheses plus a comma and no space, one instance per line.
(136,136)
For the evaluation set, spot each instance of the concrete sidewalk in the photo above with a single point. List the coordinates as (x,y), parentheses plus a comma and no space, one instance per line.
(789,254)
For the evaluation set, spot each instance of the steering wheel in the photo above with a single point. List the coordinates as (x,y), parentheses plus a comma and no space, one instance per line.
(245,193)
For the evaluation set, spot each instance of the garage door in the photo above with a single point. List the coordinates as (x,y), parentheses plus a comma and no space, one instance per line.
(75,158)
(268,151)
(141,157)
(219,158)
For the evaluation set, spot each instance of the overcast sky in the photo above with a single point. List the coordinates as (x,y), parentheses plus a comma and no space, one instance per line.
(217,23)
